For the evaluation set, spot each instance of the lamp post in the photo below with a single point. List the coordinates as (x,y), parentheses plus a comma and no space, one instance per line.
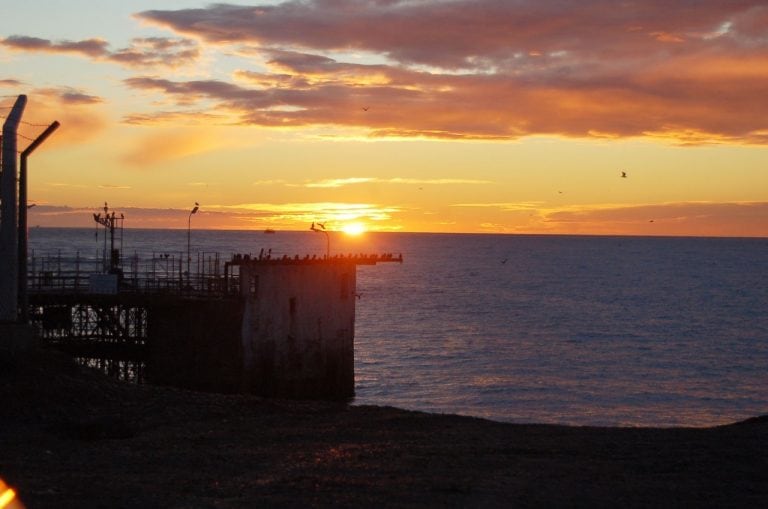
(189,230)
(320,227)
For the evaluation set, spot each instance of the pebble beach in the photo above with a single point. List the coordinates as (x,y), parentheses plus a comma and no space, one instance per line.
(71,437)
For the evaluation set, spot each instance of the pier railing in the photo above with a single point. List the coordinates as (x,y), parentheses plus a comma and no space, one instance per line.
(154,273)
(204,274)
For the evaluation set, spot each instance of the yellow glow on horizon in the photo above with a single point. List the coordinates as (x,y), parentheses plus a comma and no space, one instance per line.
(354,229)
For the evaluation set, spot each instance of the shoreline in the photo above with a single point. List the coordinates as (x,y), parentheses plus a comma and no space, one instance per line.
(71,437)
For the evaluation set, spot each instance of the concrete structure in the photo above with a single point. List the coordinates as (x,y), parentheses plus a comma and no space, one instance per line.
(298,328)
(275,327)
(289,334)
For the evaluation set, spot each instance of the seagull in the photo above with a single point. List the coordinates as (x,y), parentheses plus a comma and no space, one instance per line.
(623,174)
(365,108)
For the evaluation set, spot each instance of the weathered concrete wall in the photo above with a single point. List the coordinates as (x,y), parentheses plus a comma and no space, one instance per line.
(196,344)
(298,329)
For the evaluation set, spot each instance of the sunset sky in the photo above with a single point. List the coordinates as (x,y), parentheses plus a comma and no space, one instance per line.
(494,116)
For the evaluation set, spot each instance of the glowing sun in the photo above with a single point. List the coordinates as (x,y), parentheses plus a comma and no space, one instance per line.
(353,229)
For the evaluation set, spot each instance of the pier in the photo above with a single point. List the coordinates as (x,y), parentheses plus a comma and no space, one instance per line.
(274,326)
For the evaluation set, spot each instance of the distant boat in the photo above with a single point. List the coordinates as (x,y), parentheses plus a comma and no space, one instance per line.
(269,230)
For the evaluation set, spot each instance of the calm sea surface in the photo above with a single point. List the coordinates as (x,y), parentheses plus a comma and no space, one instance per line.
(571,330)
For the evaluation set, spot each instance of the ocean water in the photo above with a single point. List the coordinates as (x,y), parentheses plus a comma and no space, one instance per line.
(578,330)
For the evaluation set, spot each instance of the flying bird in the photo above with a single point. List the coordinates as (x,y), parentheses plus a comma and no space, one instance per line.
(365,108)
(623,174)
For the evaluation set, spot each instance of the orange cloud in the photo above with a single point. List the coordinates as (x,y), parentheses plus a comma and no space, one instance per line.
(81,115)
(167,145)
(88,47)
(341,182)
(687,218)
(492,70)
(192,117)
(289,216)
(670,219)
(143,52)
(8,82)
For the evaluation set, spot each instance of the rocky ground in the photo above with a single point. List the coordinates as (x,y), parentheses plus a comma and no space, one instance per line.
(70,437)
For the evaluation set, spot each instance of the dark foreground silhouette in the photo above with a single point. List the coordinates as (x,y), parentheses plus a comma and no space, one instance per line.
(70,437)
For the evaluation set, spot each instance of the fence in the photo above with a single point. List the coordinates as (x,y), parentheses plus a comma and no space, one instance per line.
(154,273)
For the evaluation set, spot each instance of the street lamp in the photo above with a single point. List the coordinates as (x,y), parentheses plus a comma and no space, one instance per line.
(320,227)
(189,229)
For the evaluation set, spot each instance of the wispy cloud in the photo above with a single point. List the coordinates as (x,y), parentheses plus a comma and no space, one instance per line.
(8,82)
(341,182)
(507,206)
(270,182)
(158,147)
(143,52)
(157,52)
(335,213)
(678,218)
(87,47)
(69,96)
(191,117)
(295,216)
(113,186)
(749,219)
(80,113)
(326,183)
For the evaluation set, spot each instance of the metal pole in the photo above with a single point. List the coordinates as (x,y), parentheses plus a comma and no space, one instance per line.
(189,230)
(9,287)
(189,240)
(23,232)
